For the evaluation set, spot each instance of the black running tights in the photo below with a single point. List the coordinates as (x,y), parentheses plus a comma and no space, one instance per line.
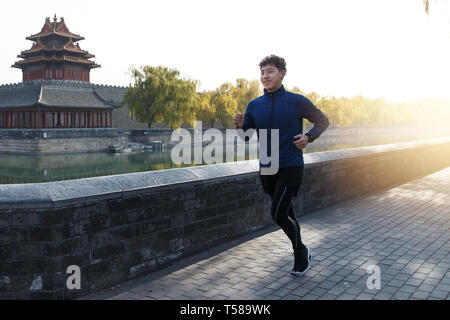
(282,187)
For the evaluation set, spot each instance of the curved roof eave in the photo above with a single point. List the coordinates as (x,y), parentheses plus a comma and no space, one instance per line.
(76,107)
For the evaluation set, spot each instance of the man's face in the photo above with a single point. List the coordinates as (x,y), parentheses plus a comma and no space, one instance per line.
(271,77)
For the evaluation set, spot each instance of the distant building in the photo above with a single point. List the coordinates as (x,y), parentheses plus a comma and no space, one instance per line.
(54,55)
(56,92)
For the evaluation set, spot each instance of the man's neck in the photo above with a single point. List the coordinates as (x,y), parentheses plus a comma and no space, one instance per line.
(273,90)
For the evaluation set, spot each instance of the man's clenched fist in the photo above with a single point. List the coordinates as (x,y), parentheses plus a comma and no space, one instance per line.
(239,120)
(302,142)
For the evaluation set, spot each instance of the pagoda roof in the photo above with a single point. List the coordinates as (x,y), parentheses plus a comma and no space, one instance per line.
(64,58)
(68,46)
(55,51)
(55,28)
(61,94)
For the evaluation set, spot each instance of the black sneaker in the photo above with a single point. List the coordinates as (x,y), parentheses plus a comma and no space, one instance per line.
(301,262)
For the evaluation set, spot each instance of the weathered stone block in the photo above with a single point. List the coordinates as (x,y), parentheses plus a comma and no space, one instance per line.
(107,251)
(25,218)
(5,252)
(46,265)
(5,219)
(205,213)
(226,208)
(155,225)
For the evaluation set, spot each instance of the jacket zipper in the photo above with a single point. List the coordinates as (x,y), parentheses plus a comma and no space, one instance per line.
(269,136)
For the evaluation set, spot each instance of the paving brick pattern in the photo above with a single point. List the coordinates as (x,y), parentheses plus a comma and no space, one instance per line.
(404,231)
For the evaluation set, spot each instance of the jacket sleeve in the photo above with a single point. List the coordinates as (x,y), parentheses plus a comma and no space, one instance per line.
(316,116)
(249,122)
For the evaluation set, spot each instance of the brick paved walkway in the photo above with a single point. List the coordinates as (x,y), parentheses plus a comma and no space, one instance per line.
(404,231)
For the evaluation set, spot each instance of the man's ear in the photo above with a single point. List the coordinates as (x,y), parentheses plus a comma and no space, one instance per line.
(283,72)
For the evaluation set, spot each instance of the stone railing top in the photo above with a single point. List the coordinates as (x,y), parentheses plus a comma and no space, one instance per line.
(61,193)
(317,157)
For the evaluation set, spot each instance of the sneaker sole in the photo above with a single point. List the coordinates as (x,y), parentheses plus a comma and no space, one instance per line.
(300,273)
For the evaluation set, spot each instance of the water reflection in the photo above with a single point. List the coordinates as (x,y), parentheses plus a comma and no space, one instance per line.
(44,168)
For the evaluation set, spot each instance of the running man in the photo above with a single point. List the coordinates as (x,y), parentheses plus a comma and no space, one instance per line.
(284,110)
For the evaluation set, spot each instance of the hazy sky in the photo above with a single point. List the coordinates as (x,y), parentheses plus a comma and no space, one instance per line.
(378,48)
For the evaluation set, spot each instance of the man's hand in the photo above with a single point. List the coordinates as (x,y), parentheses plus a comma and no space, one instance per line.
(302,142)
(239,120)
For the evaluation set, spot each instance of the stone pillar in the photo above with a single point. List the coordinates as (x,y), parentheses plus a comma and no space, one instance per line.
(57,119)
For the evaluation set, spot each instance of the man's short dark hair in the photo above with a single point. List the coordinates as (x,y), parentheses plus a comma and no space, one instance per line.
(275,60)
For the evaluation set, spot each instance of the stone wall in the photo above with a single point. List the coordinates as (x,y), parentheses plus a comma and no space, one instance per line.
(53,133)
(118,227)
(46,141)
(122,120)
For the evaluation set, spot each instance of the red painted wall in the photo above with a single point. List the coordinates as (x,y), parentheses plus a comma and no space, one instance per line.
(59,74)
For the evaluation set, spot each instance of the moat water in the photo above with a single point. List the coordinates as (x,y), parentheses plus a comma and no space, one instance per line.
(15,168)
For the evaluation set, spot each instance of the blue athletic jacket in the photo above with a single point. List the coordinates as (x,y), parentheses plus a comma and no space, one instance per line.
(285,111)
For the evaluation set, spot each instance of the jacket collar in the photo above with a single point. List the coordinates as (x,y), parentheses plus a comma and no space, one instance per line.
(278,93)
